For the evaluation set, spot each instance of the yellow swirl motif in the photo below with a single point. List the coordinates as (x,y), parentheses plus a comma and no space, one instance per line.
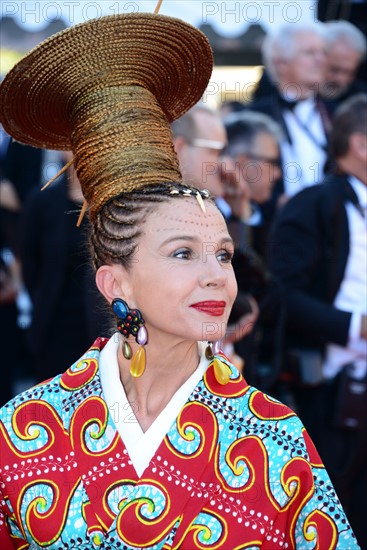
(319,522)
(37,512)
(79,376)
(82,419)
(204,536)
(189,424)
(152,513)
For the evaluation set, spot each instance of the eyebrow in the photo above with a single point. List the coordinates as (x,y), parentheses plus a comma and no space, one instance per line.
(192,238)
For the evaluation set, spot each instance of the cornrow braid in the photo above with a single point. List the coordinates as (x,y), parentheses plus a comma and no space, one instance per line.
(117,227)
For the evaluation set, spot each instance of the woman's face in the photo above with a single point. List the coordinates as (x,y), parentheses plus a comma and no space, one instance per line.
(181,276)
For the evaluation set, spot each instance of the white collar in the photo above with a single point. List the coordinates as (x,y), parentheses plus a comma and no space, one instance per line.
(141,446)
(360,190)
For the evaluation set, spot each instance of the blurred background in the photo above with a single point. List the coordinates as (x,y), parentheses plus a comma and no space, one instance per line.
(235,30)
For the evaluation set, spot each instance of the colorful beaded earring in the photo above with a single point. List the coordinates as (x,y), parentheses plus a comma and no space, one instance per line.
(221,370)
(130,321)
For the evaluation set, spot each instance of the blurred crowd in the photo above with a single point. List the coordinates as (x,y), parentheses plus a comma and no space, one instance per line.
(289,173)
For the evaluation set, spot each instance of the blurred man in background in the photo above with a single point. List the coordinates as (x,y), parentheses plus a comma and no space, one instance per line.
(345,50)
(253,145)
(319,254)
(294,58)
(199,139)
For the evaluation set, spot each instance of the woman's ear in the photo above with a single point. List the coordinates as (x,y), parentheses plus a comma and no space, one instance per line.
(179,144)
(358,145)
(112,281)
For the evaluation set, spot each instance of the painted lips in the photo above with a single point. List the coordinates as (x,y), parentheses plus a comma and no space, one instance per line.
(214,308)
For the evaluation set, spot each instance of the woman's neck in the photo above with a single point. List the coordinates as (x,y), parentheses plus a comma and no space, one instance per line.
(166,370)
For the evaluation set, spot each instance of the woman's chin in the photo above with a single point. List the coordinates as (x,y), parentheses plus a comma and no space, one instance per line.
(213,336)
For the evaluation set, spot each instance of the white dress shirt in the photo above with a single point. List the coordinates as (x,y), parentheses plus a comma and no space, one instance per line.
(352,294)
(303,159)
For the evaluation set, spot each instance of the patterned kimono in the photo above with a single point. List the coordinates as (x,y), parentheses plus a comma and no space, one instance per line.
(235,470)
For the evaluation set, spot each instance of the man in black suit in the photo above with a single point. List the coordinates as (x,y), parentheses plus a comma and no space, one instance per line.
(319,254)
(294,58)
(20,171)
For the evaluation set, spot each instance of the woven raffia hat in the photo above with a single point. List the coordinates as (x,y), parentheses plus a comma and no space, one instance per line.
(108,89)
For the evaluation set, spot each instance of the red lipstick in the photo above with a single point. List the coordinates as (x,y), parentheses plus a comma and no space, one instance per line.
(211,307)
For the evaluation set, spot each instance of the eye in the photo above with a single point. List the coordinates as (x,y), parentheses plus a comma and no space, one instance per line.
(183,254)
(225,256)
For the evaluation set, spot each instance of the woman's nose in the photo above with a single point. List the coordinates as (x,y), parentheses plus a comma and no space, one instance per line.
(213,273)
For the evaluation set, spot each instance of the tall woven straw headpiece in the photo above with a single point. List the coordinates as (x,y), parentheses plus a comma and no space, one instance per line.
(108,89)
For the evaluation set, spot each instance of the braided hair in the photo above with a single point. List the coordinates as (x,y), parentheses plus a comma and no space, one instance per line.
(118,225)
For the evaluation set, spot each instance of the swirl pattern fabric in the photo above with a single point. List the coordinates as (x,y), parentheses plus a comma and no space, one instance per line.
(236,470)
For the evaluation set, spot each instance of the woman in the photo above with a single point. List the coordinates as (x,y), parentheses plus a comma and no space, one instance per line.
(151,440)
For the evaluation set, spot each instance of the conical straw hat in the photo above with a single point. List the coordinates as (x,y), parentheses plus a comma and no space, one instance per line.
(107,89)
(167,56)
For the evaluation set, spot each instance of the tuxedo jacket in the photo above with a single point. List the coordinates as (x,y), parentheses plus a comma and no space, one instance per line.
(308,253)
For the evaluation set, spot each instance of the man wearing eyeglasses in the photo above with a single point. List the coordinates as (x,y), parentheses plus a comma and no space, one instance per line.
(253,144)
(199,139)
(253,147)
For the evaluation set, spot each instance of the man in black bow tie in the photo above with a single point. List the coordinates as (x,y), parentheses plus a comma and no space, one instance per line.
(319,255)
(294,58)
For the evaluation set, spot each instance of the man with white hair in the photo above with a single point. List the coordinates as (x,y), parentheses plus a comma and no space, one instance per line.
(345,50)
(294,58)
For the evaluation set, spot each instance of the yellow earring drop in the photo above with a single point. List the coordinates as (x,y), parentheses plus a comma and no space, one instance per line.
(139,359)
(222,372)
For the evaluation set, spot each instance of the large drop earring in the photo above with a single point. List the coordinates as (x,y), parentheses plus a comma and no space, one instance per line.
(221,370)
(130,321)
